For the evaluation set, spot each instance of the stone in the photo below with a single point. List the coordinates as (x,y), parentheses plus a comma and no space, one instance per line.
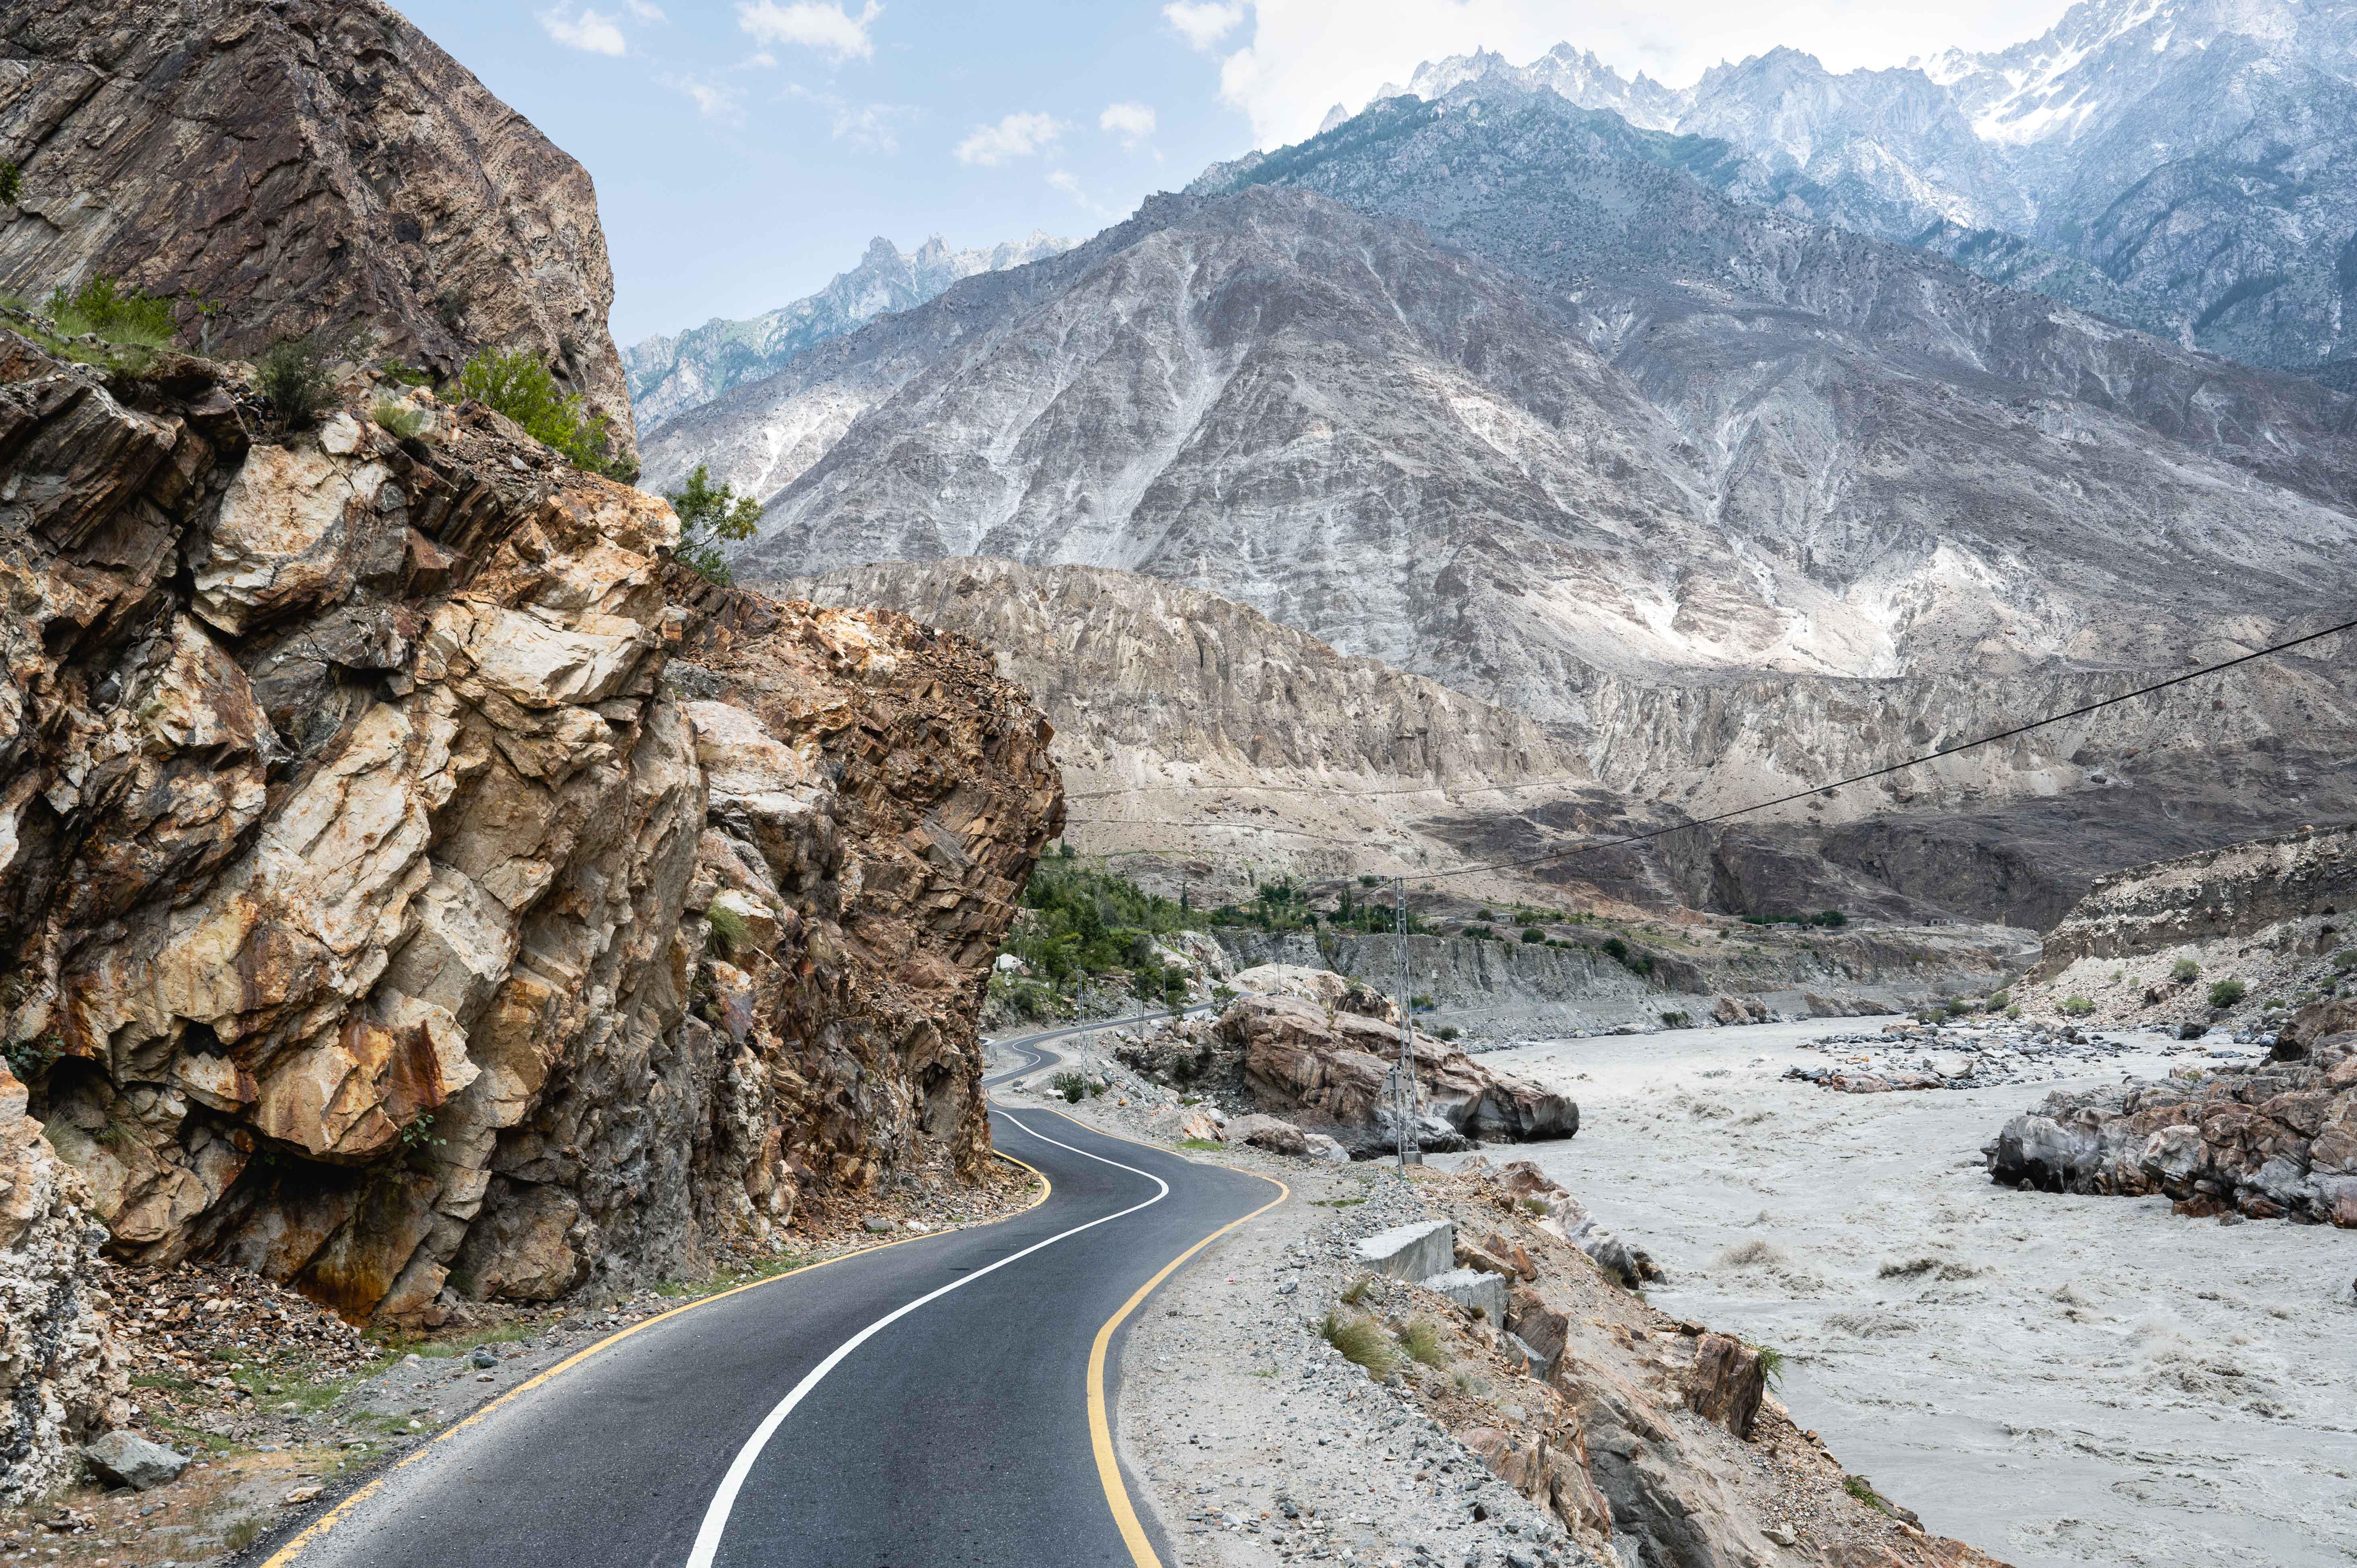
(1409,1251)
(483,1359)
(124,1458)
(1323,1147)
(1270,1133)
(1726,1383)
(1474,1291)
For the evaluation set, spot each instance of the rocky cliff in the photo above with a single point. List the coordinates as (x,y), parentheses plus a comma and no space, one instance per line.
(383,915)
(2213,897)
(307,165)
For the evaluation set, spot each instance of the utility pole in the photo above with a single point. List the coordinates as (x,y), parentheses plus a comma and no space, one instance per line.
(1404,1076)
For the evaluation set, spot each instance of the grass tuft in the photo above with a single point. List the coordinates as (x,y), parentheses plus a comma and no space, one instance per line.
(1422,1341)
(1358,1290)
(1771,1365)
(398,419)
(1361,1341)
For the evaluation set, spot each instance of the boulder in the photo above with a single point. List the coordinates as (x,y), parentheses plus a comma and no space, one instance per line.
(1322,988)
(1337,1065)
(1184,1123)
(127,1459)
(1277,1136)
(1409,1251)
(1726,1383)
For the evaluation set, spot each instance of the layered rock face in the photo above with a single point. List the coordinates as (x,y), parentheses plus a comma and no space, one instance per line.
(396,925)
(2216,897)
(61,1381)
(2272,1142)
(309,164)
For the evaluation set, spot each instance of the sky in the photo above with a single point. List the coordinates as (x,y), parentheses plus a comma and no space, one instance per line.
(745,151)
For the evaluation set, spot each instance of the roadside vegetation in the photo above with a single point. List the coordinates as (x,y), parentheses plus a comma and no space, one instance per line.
(518,385)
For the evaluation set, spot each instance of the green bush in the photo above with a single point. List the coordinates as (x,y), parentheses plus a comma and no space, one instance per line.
(1072,1087)
(1998,1000)
(1479,933)
(709,517)
(103,307)
(1082,921)
(296,378)
(12,183)
(398,419)
(2345,960)
(1532,934)
(729,926)
(1628,958)
(1771,1365)
(2226,992)
(518,385)
(1445,1032)
(2076,1006)
(2185,972)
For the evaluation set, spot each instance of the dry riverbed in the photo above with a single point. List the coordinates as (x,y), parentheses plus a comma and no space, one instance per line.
(2060,1381)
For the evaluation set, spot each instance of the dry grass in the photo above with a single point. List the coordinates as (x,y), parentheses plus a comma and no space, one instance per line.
(1361,1341)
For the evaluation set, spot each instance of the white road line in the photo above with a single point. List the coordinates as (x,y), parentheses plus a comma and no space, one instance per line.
(715,1517)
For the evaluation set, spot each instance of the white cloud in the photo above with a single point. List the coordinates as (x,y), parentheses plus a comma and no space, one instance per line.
(1068,182)
(828,29)
(715,103)
(588,31)
(869,125)
(762,61)
(1203,22)
(1017,136)
(644,12)
(1132,123)
(1306,55)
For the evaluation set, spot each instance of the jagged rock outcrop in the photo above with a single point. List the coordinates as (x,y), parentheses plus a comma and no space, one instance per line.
(61,1381)
(2273,1141)
(1334,1066)
(394,924)
(306,165)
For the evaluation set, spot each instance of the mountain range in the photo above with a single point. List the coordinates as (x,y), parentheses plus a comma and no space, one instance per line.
(1605,424)
(670,375)
(2180,165)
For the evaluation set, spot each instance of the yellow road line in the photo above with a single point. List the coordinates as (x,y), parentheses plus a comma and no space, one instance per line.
(1133,1532)
(318,1527)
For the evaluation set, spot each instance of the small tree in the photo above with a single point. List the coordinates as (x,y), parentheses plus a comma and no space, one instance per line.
(2226,992)
(709,515)
(12,183)
(518,385)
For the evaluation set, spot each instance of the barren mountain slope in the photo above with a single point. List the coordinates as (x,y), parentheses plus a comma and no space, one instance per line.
(670,375)
(305,164)
(1197,732)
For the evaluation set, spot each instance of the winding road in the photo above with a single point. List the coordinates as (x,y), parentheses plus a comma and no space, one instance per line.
(942,1400)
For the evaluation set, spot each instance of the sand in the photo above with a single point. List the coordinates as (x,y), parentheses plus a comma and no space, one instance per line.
(2069,1381)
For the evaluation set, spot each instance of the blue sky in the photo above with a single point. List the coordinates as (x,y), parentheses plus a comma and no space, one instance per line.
(745,151)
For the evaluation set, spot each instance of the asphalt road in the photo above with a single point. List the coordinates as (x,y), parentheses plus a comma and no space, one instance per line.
(927,1402)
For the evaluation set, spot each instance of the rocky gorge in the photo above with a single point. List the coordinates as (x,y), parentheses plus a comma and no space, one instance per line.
(430,893)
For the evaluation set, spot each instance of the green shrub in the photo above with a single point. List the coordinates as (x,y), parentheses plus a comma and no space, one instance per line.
(1863,1490)
(2076,1006)
(1080,923)
(12,183)
(1532,934)
(1445,1032)
(518,385)
(399,419)
(1998,1000)
(1771,1365)
(1485,914)
(2345,960)
(103,308)
(1358,1290)
(394,370)
(28,1058)
(1480,933)
(295,378)
(1677,1020)
(2014,1012)
(1422,1341)
(1361,1341)
(2185,972)
(708,519)
(1072,1087)
(729,927)
(1628,958)
(2226,992)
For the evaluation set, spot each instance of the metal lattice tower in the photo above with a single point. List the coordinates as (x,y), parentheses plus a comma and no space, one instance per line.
(1404,1075)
